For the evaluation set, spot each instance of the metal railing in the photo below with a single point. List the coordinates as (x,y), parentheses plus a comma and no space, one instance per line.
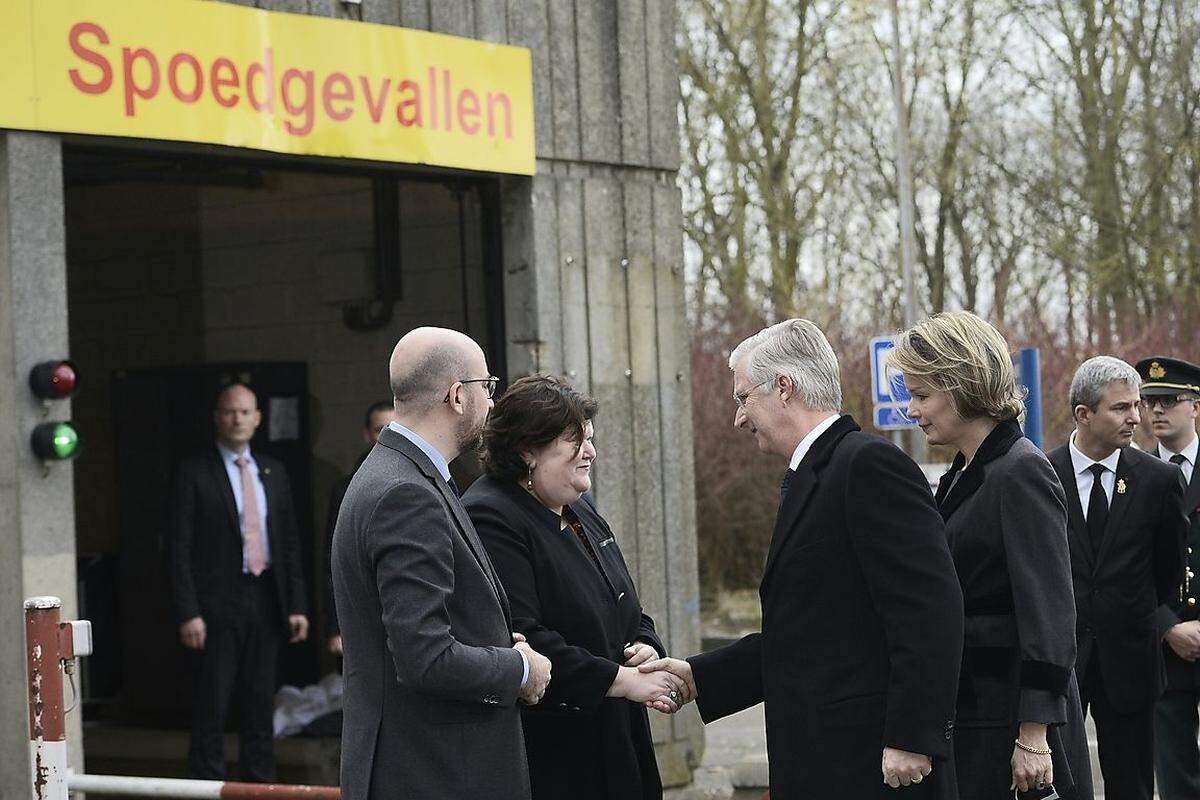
(51,648)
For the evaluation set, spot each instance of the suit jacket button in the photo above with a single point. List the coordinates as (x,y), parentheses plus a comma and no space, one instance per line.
(562,705)
(574,708)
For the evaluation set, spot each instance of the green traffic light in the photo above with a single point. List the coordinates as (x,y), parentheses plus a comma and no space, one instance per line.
(55,441)
(65,440)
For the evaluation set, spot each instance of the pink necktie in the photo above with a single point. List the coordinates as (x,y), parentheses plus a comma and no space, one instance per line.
(256,559)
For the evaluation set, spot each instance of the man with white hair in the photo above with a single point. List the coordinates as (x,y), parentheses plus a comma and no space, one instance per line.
(862,615)
(433,676)
(1126,529)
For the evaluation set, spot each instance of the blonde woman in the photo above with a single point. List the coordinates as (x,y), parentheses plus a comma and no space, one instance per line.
(1019,722)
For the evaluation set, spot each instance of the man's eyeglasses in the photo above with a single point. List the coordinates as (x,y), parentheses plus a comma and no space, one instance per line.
(1167,401)
(740,398)
(489,385)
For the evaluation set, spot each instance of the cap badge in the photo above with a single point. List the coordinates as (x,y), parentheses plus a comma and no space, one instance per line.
(1156,370)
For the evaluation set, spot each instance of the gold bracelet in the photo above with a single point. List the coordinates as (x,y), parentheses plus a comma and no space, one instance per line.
(1040,751)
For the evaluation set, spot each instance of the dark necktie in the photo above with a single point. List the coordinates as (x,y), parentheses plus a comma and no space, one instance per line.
(1097,516)
(1179,459)
(453,486)
(787,482)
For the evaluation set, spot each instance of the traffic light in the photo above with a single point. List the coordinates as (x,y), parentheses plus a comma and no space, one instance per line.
(55,441)
(50,381)
(53,380)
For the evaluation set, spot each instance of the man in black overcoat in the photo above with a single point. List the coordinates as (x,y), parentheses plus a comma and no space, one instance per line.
(1126,528)
(237,585)
(1171,400)
(862,629)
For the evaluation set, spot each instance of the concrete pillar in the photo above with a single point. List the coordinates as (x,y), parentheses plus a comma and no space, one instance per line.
(37,526)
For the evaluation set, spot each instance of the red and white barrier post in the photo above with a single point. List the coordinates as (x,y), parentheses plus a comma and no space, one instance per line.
(51,647)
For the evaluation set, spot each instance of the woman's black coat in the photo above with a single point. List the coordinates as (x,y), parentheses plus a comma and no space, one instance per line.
(580,743)
(1006,522)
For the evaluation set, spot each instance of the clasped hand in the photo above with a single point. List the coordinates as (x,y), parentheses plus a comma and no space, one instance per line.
(684,685)
(1184,639)
(539,672)
(902,768)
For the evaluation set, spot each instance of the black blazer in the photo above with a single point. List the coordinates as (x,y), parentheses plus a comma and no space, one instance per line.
(204,540)
(1006,521)
(862,627)
(1182,605)
(580,743)
(1119,590)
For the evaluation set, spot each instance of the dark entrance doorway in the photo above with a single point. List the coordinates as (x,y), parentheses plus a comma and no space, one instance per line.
(182,268)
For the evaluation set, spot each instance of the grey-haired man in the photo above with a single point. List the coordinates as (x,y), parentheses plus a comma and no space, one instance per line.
(1126,526)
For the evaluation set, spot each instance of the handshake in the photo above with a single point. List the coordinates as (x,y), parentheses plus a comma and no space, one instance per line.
(664,684)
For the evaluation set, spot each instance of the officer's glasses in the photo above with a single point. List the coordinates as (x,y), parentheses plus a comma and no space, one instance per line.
(1167,401)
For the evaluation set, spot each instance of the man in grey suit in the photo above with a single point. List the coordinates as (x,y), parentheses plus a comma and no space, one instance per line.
(433,672)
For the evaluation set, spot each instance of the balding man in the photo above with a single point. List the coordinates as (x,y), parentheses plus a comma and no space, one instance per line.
(433,676)
(238,586)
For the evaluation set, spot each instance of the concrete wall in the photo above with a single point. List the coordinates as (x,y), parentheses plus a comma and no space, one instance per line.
(593,289)
(37,512)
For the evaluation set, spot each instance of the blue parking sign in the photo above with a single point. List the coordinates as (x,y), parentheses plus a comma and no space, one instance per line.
(887,385)
(890,395)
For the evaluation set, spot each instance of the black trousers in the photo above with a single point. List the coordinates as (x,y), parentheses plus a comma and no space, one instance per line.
(1125,740)
(1177,757)
(239,660)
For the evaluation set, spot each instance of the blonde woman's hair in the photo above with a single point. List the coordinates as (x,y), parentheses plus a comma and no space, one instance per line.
(959,353)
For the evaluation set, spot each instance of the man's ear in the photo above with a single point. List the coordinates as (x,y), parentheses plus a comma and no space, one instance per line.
(1082,414)
(456,404)
(787,388)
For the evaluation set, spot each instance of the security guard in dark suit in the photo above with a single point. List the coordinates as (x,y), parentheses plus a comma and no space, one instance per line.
(1171,399)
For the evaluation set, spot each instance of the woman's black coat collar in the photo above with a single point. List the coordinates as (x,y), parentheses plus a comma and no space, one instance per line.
(997,443)
(535,507)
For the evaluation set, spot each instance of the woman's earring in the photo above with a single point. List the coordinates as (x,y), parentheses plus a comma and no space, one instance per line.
(529,479)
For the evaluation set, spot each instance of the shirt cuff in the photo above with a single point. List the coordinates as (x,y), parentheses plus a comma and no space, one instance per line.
(524,668)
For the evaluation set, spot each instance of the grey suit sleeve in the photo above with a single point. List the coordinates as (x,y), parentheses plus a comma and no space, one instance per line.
(410,543)
(1033,519)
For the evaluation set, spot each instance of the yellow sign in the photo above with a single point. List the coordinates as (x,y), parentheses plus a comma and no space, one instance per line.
(209,72)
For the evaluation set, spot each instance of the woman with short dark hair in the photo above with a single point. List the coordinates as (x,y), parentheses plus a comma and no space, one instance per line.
(572,598)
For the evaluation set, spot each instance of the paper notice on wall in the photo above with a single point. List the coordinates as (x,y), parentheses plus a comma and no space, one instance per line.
(284,419)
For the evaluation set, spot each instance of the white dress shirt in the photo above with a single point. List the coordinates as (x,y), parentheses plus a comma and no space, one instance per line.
(1189,457)
(807,442)
(1083,474)
(229,459)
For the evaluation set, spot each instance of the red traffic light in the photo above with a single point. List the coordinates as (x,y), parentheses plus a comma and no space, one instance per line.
(53,380)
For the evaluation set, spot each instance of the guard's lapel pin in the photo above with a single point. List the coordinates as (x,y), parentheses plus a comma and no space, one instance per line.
(1120,486)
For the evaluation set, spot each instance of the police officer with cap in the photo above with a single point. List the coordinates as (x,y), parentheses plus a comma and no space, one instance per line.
(1171,399)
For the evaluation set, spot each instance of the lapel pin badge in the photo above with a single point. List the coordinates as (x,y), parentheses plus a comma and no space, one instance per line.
(1121,486)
